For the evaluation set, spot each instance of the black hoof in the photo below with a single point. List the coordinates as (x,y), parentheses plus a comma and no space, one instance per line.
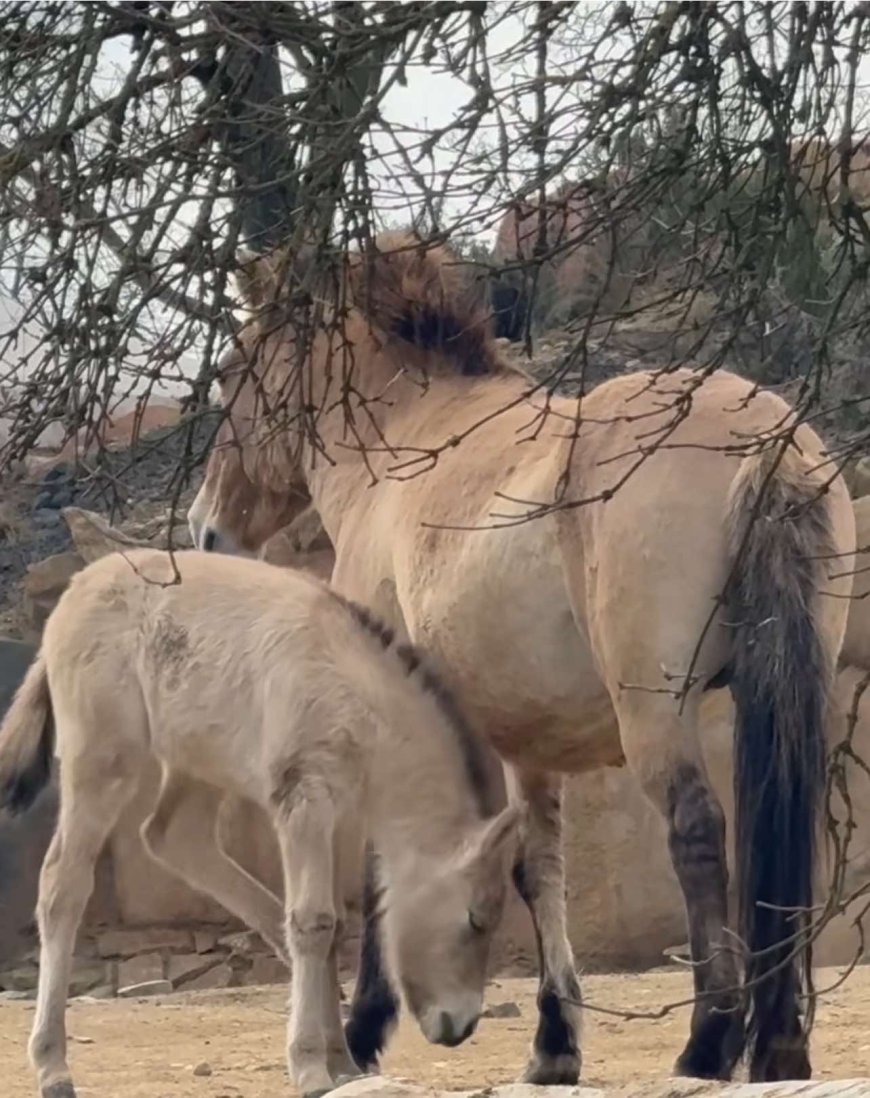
(713,1049)
(780,1064)
(553,1071)
(702,1063)
(63,1089)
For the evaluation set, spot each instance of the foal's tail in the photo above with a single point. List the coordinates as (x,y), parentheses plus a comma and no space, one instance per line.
(780,532)
(27,741)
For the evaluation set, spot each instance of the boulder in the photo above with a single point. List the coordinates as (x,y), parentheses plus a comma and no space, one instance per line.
(379,1086)
(94,537)
(45,582)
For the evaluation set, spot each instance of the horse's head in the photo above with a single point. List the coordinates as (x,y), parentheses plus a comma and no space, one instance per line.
(253,485)
(439,931)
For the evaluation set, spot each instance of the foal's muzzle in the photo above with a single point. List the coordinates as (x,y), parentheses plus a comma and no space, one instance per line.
(452,1033)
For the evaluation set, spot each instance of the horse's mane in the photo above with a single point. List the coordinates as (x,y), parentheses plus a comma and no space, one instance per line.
(405,288)
(417,667)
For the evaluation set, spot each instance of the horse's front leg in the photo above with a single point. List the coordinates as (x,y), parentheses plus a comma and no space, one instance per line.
(539,875)
(307,838)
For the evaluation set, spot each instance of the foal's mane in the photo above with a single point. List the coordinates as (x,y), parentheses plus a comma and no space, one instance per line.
(418,668)
(403,287)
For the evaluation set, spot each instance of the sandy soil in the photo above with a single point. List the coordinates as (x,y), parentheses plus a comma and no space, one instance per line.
(149,1048)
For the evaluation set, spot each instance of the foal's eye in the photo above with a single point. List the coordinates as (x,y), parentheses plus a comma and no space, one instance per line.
(475,923)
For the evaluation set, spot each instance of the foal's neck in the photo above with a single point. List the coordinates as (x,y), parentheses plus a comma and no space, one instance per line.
(427,781)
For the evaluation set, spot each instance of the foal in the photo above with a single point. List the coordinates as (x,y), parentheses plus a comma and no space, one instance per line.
(243,678)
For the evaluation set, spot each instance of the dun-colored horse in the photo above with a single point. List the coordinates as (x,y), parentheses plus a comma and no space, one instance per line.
(585,570)
(245,678)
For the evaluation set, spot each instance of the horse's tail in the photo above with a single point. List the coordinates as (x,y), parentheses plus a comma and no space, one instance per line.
(27,741)
(425,296)
(780,531)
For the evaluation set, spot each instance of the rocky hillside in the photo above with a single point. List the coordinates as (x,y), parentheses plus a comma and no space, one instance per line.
(141,487)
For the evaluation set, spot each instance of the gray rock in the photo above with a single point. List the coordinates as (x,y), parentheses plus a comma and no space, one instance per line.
(150,987)
(501,1010)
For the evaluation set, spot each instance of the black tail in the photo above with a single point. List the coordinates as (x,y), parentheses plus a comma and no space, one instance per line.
(27,741)
(782,675)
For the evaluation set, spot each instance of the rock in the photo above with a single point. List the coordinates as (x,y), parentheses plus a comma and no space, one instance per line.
(203,1069)
(21,978)
(189,966)
(860,478)
(93,537)
(267,970)
(14,996)
(244,942)
(145,968)
(86,976)
(204,941)
(97,994)
(129,943)
(150,987)
(215,977)
(378,1086)
(45,582)
(501,1010)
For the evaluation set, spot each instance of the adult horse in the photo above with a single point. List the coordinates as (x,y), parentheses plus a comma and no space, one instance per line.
(705,554)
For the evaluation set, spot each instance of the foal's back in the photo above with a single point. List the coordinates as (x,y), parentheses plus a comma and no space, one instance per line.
(206,661)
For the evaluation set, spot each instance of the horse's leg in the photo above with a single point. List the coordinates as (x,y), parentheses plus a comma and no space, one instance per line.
(662,750)
(182,834)
(374,1009)
(306,834)
(539,875)
(90,804)
(339,1060)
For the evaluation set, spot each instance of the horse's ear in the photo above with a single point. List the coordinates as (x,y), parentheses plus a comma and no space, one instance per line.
(498,836)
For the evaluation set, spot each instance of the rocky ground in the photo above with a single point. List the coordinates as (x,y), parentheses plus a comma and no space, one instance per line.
(230,1044)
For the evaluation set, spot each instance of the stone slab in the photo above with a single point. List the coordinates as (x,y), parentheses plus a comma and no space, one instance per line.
(383,1087)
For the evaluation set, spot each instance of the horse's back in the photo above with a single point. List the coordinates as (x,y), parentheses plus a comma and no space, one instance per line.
(182,651)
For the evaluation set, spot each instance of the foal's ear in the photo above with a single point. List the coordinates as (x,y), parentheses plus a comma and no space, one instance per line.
(499,835)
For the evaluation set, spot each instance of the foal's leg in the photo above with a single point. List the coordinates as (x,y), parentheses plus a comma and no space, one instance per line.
(182,834)
(661,748)
(374,1009)
(339,1060)
(539,875)
(90,804)
(306,833)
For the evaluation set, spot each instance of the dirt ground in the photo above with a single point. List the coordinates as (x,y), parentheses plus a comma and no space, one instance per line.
(149,1048)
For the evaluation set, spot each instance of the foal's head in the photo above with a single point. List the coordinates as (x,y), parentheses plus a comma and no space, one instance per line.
(253,485)
(439,929)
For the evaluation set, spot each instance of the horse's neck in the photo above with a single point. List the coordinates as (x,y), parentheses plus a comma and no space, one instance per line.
(421,792)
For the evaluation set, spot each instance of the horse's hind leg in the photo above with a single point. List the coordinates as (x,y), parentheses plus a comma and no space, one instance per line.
(539,875)
(661,748)
(182,834)
(374,1009)
(91,801)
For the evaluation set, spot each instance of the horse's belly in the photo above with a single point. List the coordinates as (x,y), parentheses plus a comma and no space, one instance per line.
(207,748)
(528,685)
